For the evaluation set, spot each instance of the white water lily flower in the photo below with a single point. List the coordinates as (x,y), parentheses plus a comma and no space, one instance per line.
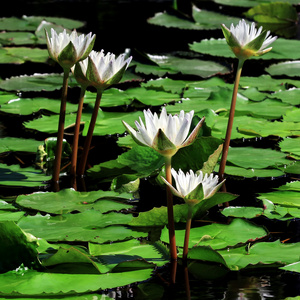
(192,187)
(105,70)
(68,49)
(246,41)
(166,134)
(79,71)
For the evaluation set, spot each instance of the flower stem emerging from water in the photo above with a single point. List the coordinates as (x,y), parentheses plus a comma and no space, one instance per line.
(230,123)
(89,136)
(76,133)
(187,233)
(61,125)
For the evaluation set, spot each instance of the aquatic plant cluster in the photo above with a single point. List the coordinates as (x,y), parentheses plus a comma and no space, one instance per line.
(77,230)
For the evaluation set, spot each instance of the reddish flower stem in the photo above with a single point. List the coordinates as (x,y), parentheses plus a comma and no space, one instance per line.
(171,226)
(187,232)
(88,140)
(76,132)
(230,124)
(61,125)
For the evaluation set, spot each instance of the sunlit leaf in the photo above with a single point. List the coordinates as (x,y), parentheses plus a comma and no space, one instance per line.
(288,68)
(219,236)
(31,283)
(68,200)
(86,226)
(36,82)
(282,49)
(14,175)
(18,144)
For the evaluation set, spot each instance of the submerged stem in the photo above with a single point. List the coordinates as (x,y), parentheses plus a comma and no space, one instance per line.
(76,132)
(171,225)
(230,123)
(61,125)
(187,232)
(89,136)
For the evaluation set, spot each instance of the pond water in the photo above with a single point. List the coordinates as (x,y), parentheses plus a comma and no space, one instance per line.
(123,24)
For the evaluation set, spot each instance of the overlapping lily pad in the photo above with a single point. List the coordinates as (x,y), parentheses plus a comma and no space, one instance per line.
(69,200)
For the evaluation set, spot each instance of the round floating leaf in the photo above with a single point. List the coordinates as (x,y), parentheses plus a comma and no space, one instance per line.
(86,226)
(35,83)
(219,236)
(243,212)
(203,20)
(261,254)
(291,146)
(257,158)
(115,253)
(28,106)
(249,3)
(166,84)
(33,283)
(284,198)
(282,49)
(17,38)
(173,65)
(18,144)
(14,175)
(288,68)
(291,96)
(68,200)
(11,216)
(295,267)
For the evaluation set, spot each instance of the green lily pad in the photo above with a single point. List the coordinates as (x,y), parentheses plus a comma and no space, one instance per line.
(68,200)
(295,267)
(110,255)
(16,247)
(289,96)
(175,65)
(35,83)
(242,212)
(30,23)
(14,175)
(18,144)
(28,106)
(291,146)
(284,198)
(89,225)
(166,84)
(257,158)
(33,283)
(249,3)
(282,49)
(277,12)
(158,215)
(219,236)
(261,254)
(11,216)
(202,20)
(288,68)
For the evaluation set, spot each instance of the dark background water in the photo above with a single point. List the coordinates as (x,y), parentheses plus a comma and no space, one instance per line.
(123,24)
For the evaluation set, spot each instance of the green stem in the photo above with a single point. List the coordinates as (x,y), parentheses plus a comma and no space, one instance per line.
(61,126)
(187,233)
(230,123)
(89,136)
(76,132)
(171,225)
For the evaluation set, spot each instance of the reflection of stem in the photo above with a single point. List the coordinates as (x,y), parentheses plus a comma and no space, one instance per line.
(76,132)
(171,226)
(186,280)
(187,232)
(89,136)
(230,123)
(61,125)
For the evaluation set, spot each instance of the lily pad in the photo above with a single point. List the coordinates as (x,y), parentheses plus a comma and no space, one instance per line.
(288,68)
(33,283)
(18,144)
(219,236)
(282,49)
(202,20)
(284,198)
(35,83)
(69,200)
(291,146)
(14,175)
(90,226)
